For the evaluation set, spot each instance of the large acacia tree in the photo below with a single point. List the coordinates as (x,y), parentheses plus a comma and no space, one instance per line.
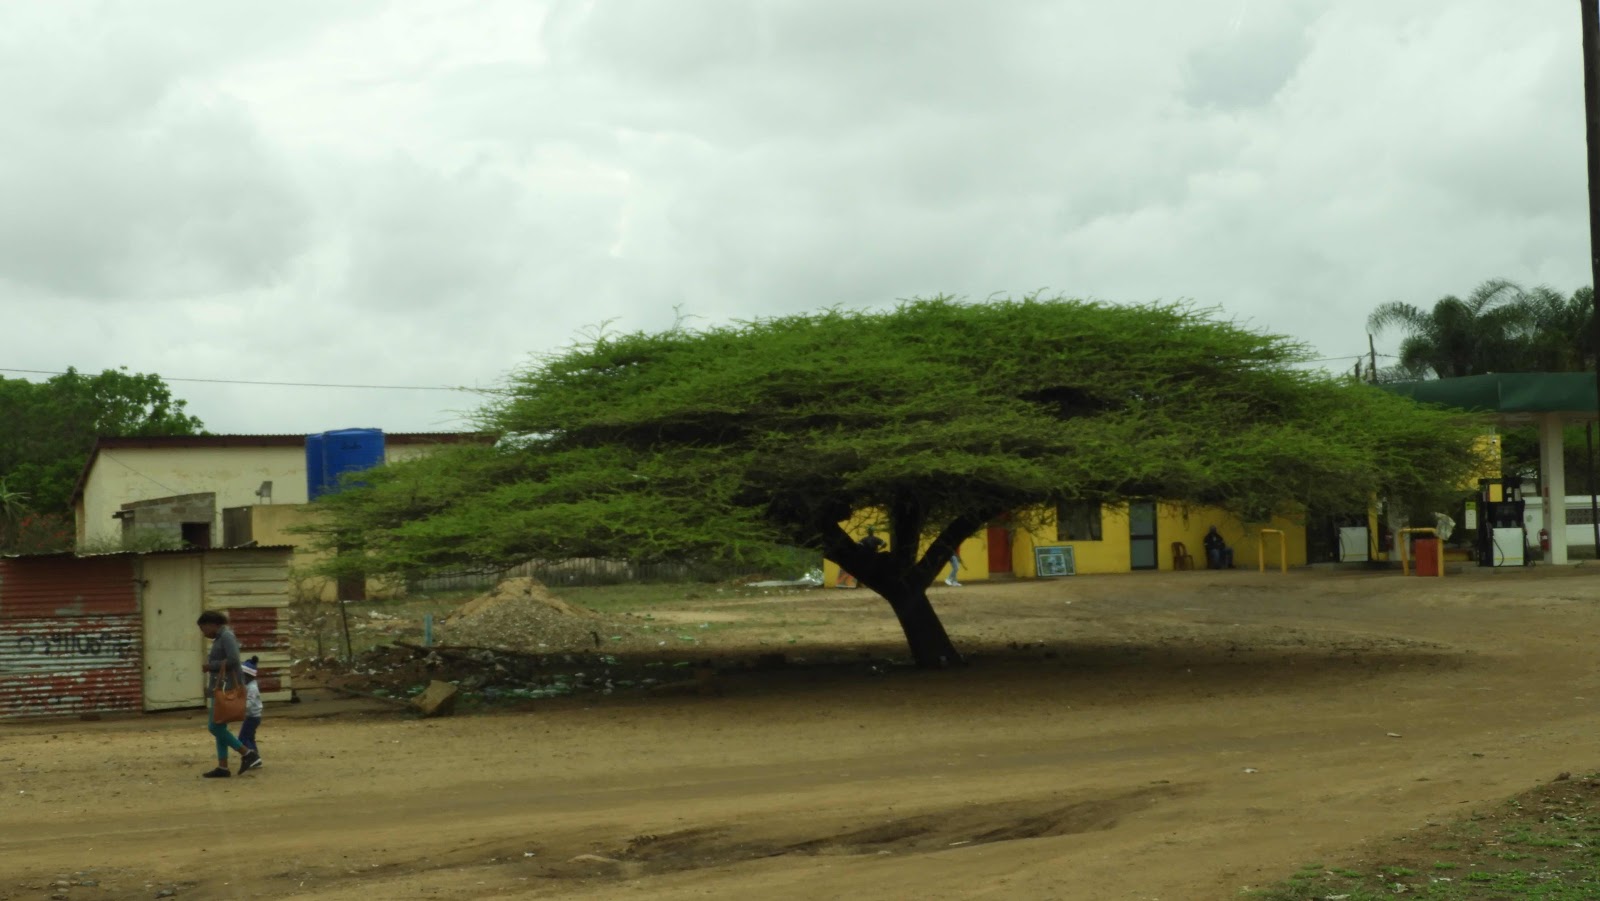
(720,443)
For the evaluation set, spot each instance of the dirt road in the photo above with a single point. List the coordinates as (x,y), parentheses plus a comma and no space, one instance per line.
(1173,737)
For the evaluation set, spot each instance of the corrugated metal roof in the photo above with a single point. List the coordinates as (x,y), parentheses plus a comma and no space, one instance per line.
(66,588)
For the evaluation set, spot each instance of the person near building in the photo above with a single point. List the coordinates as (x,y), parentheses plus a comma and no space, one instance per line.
(873,545)
(955,569)
(1218,554)
(252,711)
(222,669)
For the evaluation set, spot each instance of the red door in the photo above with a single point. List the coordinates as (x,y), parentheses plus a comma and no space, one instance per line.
(999,549)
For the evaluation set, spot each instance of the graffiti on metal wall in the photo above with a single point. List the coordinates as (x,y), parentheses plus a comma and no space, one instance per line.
(75,644)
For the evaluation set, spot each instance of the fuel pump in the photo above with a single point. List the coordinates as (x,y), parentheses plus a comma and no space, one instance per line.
(1502,534)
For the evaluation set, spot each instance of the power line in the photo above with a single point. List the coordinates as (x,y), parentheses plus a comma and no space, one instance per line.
(289,384)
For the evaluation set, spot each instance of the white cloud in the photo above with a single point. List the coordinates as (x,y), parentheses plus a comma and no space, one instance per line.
(424,193)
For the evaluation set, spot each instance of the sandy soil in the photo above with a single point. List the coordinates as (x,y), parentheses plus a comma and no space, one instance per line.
(1175,737)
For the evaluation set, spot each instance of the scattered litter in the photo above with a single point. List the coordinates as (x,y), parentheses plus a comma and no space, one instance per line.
(1395,735)
(1251,769)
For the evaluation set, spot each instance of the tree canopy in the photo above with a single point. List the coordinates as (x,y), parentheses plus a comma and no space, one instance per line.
(51,426)
(943,415)
(1499,327)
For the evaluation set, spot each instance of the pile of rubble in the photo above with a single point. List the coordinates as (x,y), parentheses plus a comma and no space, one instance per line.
(522,615)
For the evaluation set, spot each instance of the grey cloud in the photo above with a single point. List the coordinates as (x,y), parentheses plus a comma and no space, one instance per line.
(416,194)
(1249,66)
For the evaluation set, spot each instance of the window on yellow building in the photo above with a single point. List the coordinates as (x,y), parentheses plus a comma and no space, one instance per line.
(1078,522)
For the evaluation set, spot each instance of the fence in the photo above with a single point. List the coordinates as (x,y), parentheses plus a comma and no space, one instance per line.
(588,571)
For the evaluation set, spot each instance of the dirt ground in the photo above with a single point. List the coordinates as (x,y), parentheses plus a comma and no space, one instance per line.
(1174,736)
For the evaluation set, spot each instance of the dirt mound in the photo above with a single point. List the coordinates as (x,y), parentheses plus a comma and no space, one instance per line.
(516,591)
(521,614)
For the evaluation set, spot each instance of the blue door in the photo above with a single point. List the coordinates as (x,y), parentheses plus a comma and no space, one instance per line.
(1142,534)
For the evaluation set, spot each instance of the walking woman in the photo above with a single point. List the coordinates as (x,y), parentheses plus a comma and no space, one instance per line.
(222,669)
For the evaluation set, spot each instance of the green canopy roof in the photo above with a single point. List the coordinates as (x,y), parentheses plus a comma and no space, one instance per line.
(1511,395)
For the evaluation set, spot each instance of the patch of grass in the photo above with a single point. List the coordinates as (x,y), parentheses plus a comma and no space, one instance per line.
(1491,861)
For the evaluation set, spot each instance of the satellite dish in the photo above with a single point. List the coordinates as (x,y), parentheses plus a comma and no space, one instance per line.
(265,492)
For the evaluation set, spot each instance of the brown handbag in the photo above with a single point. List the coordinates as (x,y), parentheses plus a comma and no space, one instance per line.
(227,704)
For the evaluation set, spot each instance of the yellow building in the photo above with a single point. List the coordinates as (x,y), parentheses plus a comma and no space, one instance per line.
(186,482)
(1095,538)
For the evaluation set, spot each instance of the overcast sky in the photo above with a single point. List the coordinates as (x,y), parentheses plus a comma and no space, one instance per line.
(425,193)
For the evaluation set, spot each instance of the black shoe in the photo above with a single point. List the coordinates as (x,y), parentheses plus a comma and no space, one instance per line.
(220,772)
(248,762)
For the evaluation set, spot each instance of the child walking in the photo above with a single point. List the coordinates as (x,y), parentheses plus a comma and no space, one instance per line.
(252,713)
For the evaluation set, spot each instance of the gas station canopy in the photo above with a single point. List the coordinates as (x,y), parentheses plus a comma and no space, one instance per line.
(1550,400)
(1513,398)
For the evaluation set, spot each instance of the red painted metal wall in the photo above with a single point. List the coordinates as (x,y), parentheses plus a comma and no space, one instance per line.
(70,637)
(257,629)
(261,629)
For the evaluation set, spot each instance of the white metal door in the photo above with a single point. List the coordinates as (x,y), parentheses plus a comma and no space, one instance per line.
(1353,544)
(1508,546)
(174,649)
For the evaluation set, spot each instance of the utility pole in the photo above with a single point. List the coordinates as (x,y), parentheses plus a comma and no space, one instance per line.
(1372,365)
(1590,16)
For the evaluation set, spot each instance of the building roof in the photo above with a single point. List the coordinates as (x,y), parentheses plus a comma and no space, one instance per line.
(74,555)
(1512,397)
(158,442)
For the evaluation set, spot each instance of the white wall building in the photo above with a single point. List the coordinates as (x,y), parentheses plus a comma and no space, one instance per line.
(233,468)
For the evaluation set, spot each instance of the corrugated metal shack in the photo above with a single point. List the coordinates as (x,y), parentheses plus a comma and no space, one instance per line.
(116,632)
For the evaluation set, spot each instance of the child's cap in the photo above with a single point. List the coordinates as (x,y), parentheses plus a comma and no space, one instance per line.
(249,667)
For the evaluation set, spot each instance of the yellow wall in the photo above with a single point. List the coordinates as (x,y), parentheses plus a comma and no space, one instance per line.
(272,525)
(974,551)
(1174,522)
(1113,553)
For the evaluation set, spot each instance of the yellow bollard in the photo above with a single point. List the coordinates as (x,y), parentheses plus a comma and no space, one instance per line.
(1261,550)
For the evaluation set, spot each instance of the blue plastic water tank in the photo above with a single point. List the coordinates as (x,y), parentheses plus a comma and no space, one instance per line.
(316,475)
(346,451)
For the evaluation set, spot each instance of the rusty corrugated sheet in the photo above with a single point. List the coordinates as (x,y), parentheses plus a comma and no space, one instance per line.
(69,664)
(258,629)
(50,587)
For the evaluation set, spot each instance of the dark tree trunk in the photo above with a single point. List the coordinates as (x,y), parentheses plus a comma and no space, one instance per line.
(925,635)
(902,579)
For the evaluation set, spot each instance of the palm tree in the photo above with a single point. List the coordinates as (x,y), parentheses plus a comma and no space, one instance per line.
(1483,333)
(1560,330)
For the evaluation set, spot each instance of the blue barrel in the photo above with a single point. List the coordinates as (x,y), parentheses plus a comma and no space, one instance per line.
(349,450)
(316,475)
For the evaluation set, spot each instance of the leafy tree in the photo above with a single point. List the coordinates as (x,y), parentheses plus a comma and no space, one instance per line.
(944,416)
(52,425)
